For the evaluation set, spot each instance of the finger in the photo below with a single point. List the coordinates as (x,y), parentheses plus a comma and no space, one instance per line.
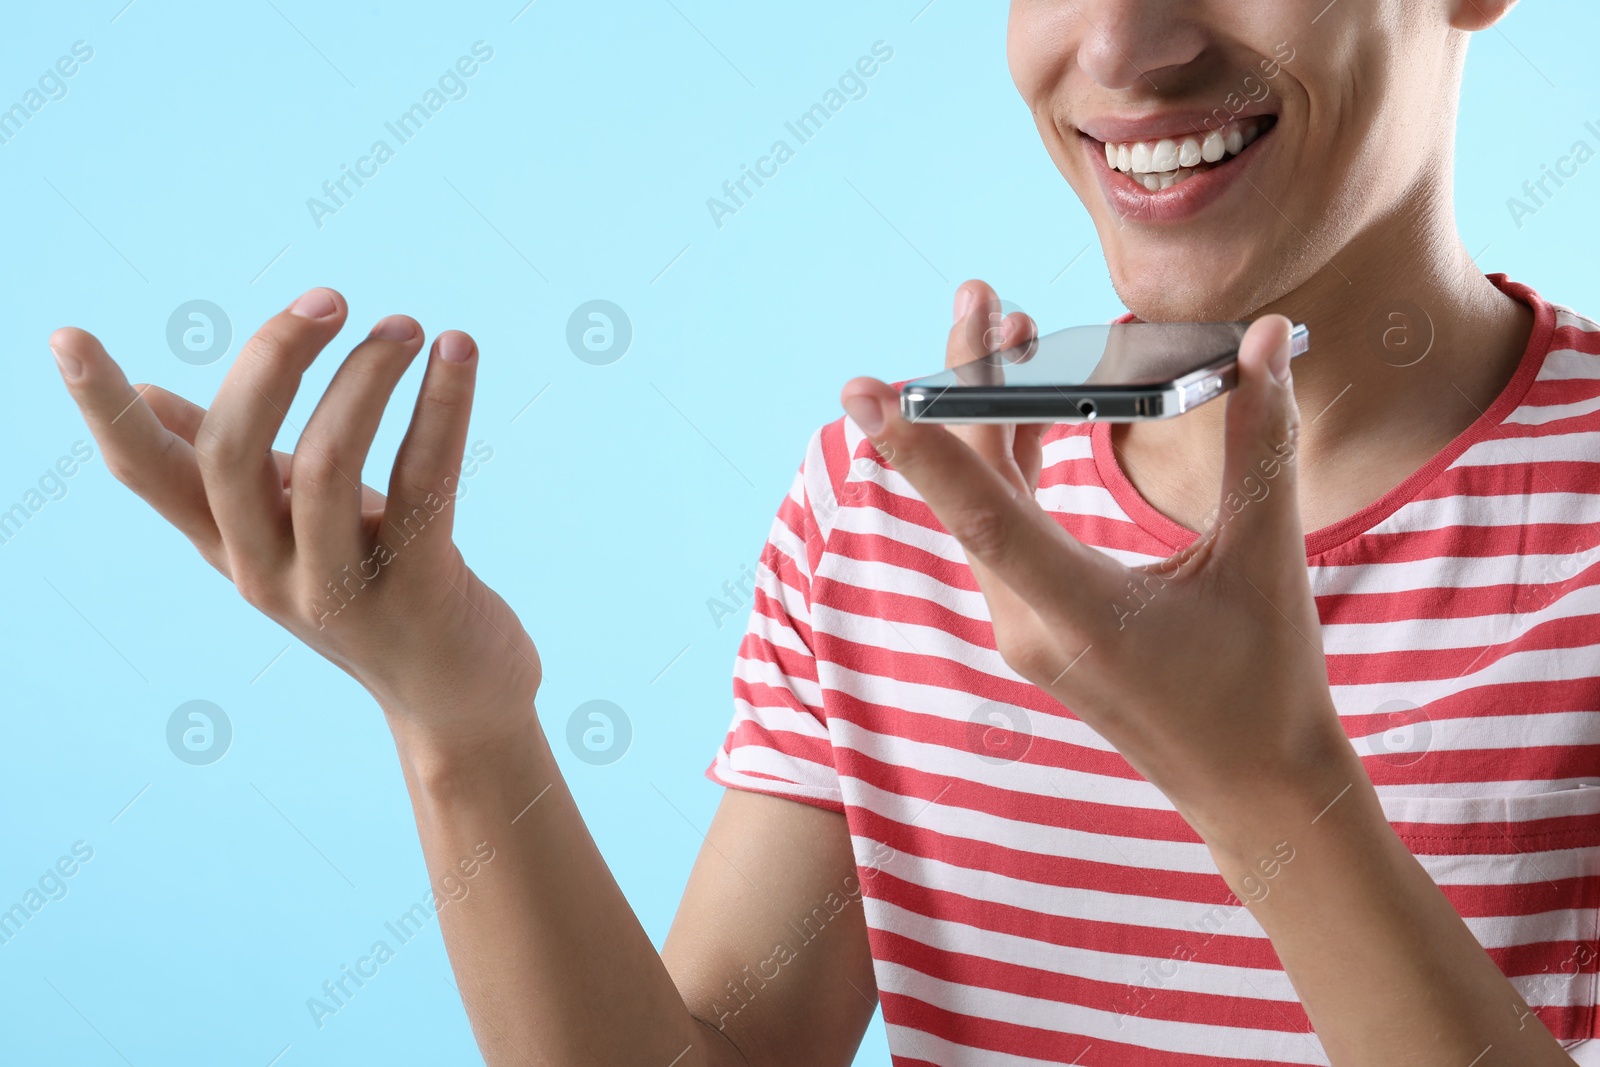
(976,323)
(1027,439)
(183,418)
(325,481)
(980,327)
(1027,451)
(139,451)
(234,441)
(1259,511)
(999,525)
(1019,327)
(427,469)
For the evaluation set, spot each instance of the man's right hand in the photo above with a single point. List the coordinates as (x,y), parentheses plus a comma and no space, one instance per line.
(547,952)
(373,583)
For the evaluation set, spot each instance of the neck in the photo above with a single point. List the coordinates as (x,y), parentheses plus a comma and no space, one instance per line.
(1409,344)
(1400,315)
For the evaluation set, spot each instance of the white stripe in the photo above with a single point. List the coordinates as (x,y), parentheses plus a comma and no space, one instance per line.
(1440,572)
(1457,790)
(1582,446)
(1066,448)
(884,577)
(1081,500)
(1569,365)
(1532,415)
(1580,799)
(1437,513)
(1503,732)
(1565,316)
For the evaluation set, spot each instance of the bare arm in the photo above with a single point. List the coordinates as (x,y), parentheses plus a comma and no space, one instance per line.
(553,965)
(769,945)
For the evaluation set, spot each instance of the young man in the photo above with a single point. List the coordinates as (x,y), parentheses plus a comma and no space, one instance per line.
(1077,784)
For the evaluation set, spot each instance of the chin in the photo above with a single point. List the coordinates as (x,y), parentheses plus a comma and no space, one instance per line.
(1156,288)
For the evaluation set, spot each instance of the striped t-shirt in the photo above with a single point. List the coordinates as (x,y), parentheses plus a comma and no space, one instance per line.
(1030,899)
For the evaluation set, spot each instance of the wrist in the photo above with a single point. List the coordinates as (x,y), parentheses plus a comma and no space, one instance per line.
(445,752)
(1283,808)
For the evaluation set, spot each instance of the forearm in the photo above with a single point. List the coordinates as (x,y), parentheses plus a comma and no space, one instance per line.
(1386,968)
(552,964)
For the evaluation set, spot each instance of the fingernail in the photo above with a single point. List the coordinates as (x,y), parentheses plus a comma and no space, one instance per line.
(455,348)
(395,328)
(964,301)
(71,366)
(1278,362)
(315,304)
(867,413)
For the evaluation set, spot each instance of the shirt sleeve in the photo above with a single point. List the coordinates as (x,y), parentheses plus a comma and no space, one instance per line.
(778,742)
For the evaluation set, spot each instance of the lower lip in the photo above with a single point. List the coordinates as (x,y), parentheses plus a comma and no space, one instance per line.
(1177,203)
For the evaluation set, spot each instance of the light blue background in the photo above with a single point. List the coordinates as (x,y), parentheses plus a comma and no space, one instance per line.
(177,167)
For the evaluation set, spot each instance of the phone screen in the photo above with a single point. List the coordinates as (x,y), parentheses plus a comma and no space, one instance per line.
(1128,353)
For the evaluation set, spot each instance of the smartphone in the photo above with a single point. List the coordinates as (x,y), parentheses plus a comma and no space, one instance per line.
(1118,372)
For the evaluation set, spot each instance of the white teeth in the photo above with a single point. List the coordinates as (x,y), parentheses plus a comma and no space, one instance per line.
(1164,156)
(1164,163)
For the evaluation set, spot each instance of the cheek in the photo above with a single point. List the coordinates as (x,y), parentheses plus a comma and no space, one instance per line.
(1022,60)
(1038,48)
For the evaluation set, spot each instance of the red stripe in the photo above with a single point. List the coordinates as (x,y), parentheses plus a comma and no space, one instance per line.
(1466,542)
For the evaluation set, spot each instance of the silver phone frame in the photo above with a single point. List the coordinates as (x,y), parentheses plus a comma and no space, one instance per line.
(1079,403)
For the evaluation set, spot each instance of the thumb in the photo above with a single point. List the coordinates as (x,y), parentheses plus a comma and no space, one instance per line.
(1000,525)
(1260,505)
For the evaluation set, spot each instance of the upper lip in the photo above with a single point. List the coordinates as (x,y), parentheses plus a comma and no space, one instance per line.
(1126,129)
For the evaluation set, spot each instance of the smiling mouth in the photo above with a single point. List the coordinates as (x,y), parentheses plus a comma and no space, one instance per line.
(1163,163)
